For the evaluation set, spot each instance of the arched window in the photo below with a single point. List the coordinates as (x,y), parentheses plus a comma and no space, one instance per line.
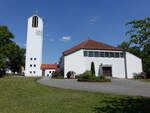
(35,21)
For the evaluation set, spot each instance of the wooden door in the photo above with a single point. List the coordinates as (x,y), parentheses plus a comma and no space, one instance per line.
(107,71)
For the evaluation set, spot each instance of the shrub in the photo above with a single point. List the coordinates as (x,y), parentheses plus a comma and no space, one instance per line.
(93,68)
(85,75)
(94,79)
(58,73)
(58,77)
(139,75)
(71,74)
(88,77)
(77,76)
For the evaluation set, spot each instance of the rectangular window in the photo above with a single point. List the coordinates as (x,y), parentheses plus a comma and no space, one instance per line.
(101,54)
(111,54)
(34,58)
(30,65)
(121,54)
(116,54)
(34,72)
(96,53)
(30,72)
(106,54)
(85,53)
(91,53)
(34,65)
(30,58)
(49,71)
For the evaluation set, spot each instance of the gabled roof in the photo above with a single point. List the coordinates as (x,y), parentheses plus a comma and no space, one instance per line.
(49,66)
(93,45)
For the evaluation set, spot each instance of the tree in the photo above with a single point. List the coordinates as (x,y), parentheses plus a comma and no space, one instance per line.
(5,39)
(140,40)
(93,68)
(71,74)
(11,55)
(140,32)
(5,36)
(125,45)
(16,56)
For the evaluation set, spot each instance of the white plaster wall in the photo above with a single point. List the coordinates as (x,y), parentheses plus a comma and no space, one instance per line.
(34,46)
(78,63)
(117,64)
(134,64)
(74,62)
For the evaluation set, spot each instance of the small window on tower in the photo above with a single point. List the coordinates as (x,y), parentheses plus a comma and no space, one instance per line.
(30,65)
(30,72)
(34,72)
(30,58)
(34,65)
(34,58)
(35,21)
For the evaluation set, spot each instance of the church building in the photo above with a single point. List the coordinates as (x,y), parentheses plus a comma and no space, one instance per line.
(108,60)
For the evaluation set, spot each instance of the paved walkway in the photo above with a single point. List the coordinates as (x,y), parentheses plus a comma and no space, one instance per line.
(117,86)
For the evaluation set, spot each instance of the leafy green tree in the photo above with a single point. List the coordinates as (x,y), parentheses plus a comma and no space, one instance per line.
(5,39)
(140,32)
(140,41)
(16,56)
(125,45)
(93,68)
(11,55)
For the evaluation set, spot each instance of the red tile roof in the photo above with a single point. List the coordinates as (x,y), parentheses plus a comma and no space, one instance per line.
(91,44)
(49,66)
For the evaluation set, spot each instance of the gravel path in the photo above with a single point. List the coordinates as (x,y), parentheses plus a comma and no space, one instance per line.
(117,86)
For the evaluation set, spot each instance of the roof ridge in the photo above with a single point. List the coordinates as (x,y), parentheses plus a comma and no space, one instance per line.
(91,44)
(85,42)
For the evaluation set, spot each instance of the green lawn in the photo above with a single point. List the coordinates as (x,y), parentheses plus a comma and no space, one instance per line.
(144,80)
(25,95)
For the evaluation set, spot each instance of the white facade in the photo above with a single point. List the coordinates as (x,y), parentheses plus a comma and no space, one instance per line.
(34,45)
(48,72)
(78,63)
(134,64)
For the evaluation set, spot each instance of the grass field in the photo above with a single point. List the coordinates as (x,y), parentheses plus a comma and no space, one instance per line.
(144,80)
(25,95)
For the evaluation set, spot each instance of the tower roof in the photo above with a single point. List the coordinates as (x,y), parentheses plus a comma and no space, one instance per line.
(36,14)
(93,45)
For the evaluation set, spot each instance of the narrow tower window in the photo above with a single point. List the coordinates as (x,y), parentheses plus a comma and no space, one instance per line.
(35,21)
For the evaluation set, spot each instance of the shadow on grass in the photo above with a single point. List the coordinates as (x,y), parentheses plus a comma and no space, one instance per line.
(123,105)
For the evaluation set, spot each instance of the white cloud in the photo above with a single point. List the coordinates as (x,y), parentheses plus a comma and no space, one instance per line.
(94,19)
(66,38)
(48,37)
(51,39)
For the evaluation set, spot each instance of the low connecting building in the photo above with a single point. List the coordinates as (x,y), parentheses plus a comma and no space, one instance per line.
(48,69)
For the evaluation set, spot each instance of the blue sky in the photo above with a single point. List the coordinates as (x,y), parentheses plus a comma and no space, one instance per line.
(68,22)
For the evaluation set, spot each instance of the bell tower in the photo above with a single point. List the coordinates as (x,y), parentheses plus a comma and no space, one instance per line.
(34,46)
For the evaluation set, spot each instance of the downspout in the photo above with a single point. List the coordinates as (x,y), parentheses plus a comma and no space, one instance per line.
(125,63)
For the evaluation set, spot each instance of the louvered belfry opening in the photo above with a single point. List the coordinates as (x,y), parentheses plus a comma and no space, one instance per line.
(35,21)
